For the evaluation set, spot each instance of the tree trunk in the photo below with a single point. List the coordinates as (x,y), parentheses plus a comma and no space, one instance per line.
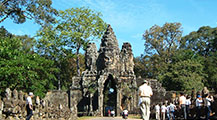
(77,60)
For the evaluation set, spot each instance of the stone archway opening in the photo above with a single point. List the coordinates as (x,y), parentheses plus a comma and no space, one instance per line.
(109,96)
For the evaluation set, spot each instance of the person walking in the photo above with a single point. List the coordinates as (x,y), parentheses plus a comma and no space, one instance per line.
(199,103)
(145,92)
(182,102)
(163,111)
(29,107)
(157,112)
(187,104)
(209,99)
(172,110)
(168,112)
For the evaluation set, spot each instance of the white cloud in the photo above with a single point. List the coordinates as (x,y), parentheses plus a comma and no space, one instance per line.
(125,15)
(137,36)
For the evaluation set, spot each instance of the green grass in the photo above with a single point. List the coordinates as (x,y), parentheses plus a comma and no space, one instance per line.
(85,117)
(134,116)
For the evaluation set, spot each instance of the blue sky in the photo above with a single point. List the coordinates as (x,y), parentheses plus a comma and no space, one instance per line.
(130,18)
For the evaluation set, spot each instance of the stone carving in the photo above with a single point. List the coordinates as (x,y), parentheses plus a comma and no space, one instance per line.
(109,51)
(126,58)
(20,95)
(8,93)
(15,94)
(37,100)
(108,61)
(58,108)
(91,56)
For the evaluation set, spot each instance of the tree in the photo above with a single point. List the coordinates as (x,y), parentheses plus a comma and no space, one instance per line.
(24,70)
(4,32)
(160,45)
(20,10)
(211,71)
(203,41)
(147,66)
(50,45)
(185,72)
(78,26)
(163,40)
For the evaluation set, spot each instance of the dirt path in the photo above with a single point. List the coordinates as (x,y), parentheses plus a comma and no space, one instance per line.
(111,118)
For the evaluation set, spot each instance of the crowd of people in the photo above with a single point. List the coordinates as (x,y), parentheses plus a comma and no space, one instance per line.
(195,106)
(185,107)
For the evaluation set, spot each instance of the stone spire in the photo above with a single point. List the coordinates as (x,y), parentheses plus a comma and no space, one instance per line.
(126,59)
(109,51)
(91,55)
(109,40)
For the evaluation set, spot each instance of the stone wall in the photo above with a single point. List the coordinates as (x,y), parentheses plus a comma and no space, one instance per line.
(54,106)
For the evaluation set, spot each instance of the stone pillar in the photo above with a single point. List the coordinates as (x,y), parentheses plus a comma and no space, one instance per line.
(100,100)
(118,101)
(91,104)
(15,94)
(74,95)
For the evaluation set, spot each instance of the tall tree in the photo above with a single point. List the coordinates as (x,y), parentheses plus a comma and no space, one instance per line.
(4,32)
(160,45)
(204,42)
(23,70)
(51,46)
(185,72)
(163,40)
(78,26)
(20,10)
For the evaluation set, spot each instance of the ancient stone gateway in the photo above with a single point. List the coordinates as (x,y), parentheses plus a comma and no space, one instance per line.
(108,82)
(109,79)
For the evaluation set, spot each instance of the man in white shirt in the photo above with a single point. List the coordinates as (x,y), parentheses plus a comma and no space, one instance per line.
(29,106)
(209,99)
(163,111)
(172,110)
(182,102)
(145,92)
(157,112)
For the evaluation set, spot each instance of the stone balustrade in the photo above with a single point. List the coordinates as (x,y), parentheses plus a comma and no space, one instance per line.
(55,106)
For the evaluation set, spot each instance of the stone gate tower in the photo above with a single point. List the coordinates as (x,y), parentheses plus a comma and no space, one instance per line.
(108,66)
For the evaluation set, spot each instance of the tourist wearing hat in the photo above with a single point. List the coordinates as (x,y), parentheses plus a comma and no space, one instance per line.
(145,92)
(199,103)
(29,107)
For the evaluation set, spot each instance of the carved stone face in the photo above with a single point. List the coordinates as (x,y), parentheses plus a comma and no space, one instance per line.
(108,59)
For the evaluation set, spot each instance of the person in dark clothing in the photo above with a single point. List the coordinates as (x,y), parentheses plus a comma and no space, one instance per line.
(29,106)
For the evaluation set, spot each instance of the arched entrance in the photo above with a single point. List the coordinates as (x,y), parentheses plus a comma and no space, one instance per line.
(109,96)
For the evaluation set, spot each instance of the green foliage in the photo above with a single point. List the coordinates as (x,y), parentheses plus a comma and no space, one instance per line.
(20,10)
(203,41)
(164,40)
(23,70)
(185,72)
(161,43)
(4,32)
(211,70)
(50,45)
(179,63)
(78,26)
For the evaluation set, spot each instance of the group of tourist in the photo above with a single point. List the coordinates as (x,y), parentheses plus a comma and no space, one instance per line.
(185,105)
(166,110)
(171,110)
